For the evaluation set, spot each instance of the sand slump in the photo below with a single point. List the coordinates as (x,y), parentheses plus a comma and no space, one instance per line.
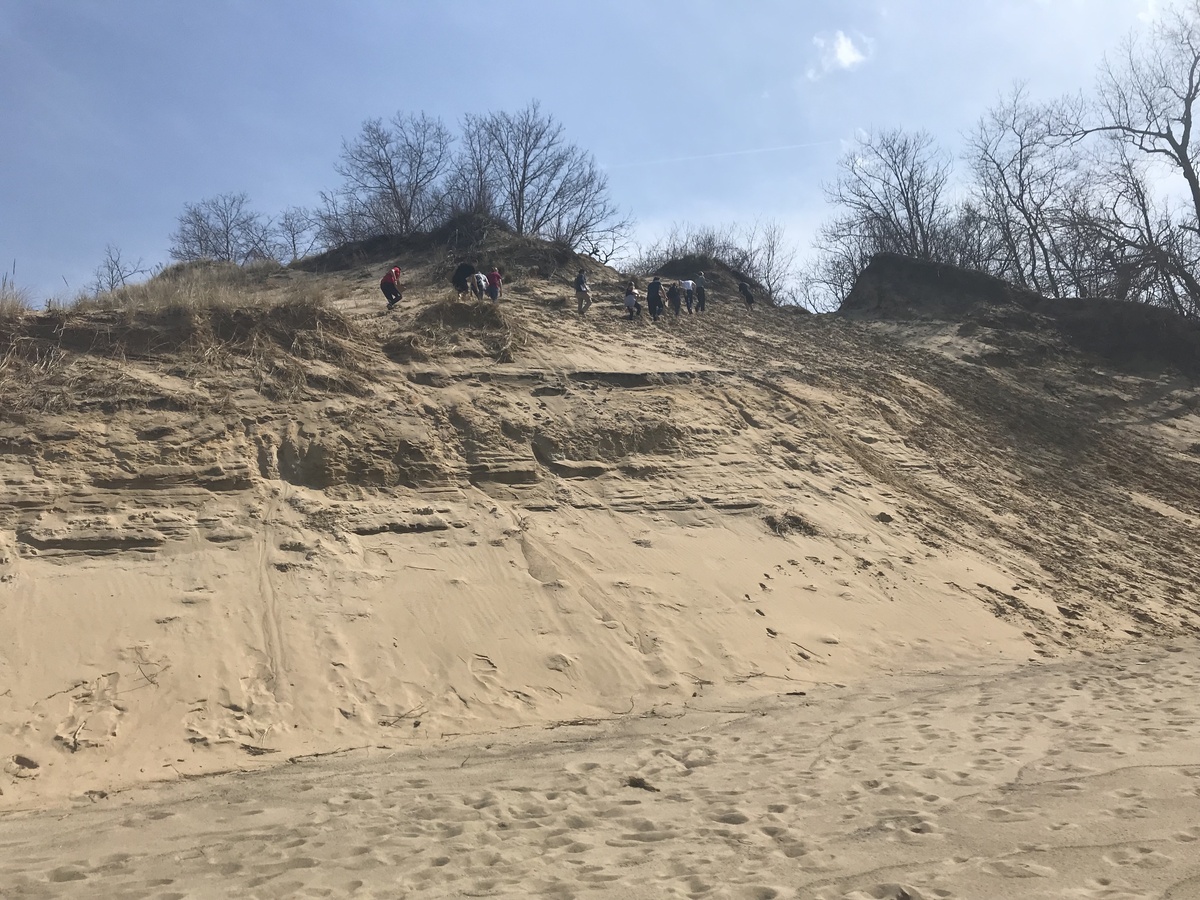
(207,563)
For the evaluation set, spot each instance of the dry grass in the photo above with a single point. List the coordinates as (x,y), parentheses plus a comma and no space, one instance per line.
(786,522)
(202,322)
(200,286)
(452,327)
(14,301)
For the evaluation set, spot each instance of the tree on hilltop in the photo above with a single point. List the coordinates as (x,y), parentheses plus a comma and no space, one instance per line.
(223,228)
(392,172)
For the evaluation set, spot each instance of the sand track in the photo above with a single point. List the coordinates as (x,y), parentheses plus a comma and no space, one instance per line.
(1076,779)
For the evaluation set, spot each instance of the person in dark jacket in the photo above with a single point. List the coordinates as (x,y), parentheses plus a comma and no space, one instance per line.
(654,298)
(673,298)
(461,279)
(744,290)
(583,293)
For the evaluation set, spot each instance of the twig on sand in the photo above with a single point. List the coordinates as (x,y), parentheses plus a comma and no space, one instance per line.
(257,751)
(637,781)
(389,721)
(815,656)
(318,754)
(67,690)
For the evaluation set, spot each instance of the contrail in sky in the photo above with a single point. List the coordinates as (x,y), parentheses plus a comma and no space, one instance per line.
(676,159)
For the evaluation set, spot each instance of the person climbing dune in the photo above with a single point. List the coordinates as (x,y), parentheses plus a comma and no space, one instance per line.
(479,285)
(633,309)
(583,293)
(461,279)
(654,298)
(673,296)
(495,288)
(390,285)
(689,292)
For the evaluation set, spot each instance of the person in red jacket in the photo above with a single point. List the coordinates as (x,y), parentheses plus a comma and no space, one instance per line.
(495,284)
(390,285)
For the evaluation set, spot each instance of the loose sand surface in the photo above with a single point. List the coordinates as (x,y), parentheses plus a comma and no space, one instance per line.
(313,600)
(1076,778)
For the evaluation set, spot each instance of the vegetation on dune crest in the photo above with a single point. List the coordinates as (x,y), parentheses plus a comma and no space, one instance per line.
(14,302)
(205,319)
(1088,197)
(411,175)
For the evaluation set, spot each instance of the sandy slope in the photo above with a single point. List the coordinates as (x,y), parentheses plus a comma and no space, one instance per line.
(1077,779)
(209,568)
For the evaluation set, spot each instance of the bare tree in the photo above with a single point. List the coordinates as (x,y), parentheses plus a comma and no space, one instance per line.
(543,185)
(222,228)
(471,184)
(114,271)
(891,196)
(772,259)
(893,190)
(394,171)
(297,232)
(1146,104)
(342,218)
(1028,180)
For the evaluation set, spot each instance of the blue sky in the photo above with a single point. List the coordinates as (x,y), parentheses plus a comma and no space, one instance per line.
(116,113)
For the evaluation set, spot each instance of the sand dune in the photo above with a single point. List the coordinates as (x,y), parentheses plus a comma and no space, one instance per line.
(463,603)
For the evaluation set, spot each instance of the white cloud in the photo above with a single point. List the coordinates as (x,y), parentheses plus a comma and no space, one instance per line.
(1150,12)
(838,52)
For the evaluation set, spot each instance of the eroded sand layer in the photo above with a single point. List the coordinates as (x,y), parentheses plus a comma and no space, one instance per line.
(1078,778)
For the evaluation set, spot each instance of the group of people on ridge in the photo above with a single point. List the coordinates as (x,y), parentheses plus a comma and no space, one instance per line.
(660,297)
(467,279)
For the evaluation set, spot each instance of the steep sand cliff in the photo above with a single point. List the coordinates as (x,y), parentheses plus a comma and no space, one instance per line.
(229,537)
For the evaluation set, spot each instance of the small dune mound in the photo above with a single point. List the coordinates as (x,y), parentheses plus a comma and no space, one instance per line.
(453,313)
(896,284)
(1122,332)
(1129,334)
(719,278)
(455,328)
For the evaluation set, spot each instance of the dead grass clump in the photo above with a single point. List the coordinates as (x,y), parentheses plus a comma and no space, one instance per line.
(199,286)
(786,522)
(454,327)
(405,347)
(61,356)
(451,312)
(14,301)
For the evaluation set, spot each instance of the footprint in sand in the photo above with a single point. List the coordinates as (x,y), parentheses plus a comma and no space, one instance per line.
(886,892)
(1007,868)
(1141,857)
(1189,836)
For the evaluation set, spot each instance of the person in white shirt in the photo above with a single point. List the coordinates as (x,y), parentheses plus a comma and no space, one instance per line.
(631,302)
(689,291)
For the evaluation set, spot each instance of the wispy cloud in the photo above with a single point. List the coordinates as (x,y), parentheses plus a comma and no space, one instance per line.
(838,52)
(720,155)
